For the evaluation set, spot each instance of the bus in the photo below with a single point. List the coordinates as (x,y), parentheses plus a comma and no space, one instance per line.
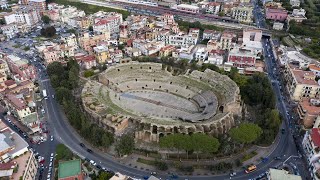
(251,169)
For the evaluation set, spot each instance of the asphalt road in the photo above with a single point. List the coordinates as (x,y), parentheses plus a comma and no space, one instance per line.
(65,134)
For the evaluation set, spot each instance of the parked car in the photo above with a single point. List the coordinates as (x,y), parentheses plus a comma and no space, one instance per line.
(89,151)
(82,145)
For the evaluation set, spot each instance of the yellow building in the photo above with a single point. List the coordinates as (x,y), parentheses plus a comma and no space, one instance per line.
(301,84)
(101,54)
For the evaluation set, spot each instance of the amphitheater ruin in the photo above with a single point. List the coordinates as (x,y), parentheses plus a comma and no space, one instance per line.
(147,99)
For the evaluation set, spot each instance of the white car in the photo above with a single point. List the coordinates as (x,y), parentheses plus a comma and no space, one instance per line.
(233,174)
(51,138)
(51,154)
(50,164)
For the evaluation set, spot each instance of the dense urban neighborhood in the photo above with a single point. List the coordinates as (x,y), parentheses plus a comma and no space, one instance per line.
(150,89)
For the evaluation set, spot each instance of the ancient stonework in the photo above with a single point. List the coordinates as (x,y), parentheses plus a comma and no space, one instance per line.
(144,98)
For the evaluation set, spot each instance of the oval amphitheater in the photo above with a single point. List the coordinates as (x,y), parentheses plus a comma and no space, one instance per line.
(148,100)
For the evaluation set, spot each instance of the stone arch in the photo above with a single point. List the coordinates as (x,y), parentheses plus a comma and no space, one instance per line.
(175,129)
(221,109)
(154,129)
(161,135)
(146,136)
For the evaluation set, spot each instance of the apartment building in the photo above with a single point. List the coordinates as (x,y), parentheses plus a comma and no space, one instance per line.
(31,167)
(148,48)
(308,111)
(22,15)
(277,14)
(87,40)
(82,22)
(279,174)
(9,31)
(311,147)
(70,12)
(299,83)
(210,34)
(167,51)
(38,5)
(17,106)
(241,57)
(243,13)
(226,40)
(69,39)
(20,68)
(216,57)
(298,15)
(86,61)
(201,54)
(101,54)
(315,68)
(213,8)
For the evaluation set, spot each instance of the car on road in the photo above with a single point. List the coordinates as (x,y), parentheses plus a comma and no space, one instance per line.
(153,173)
(283,131)
(89,151)
(82,145)
(277,158)
(51,138)
(233,174)
(98,167)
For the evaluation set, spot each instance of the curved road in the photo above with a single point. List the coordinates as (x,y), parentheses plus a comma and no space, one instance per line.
(66,135)
(285,144)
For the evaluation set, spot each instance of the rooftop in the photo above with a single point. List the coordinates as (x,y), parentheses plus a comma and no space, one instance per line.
(304,77)
(314,67)
(315,136)
(32,118)
(69,168)
(276,174)
(187,6)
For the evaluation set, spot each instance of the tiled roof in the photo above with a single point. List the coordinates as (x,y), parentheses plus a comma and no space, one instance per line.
(315,136)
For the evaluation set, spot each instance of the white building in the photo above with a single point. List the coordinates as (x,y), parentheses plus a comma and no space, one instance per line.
(295,3)
(277,26)
(69,40)
(148,48)
(10,30)
(10,18)
(188,8)
(311,145)
(215,57)
(213,8)
(201,54)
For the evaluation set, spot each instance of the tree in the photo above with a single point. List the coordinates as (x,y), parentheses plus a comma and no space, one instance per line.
(204,143)
(162,166)
(90,28)
(73,77)
(125,145)
(63,153)
(55,68)
(63,93)
(221,13)
(55,81)
(88,73)
(246,133)
(45,19)
(48,31)
(104,175)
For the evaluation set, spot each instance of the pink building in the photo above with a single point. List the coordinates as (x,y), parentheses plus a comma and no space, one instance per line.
(276,14)
(53,14)
(86,61)
(21,69)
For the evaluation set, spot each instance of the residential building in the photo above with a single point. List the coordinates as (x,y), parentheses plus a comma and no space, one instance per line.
(168,19)
(241,57)
(51,54)
(87,40)
(101,54)
(280,174)
(10,30)
(82,22)
(70,12)
(308,111)
(11,144)
(276,14)
(184,53)
(215,57)
(167,51)
(86,61)
(38,5)
(226,40)
(20,68)
(27,15)
(298,15)
(295,3)
(213,8)
(181,39)
(277,26)
(10,18)
(213,44)
(69,170)
(311,146)
(6,169)
(69,40)
(299,83)
(53,15)
(31,167)
(315,68)
(148,48)
(188,8)
(17,106)
(201,54)
(210,34)
(252,40)
(243,13)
